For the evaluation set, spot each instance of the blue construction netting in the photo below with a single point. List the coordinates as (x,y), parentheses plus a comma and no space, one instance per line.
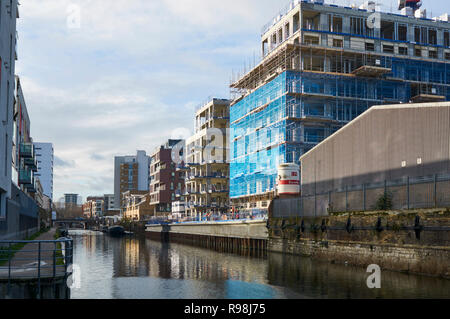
(270,126)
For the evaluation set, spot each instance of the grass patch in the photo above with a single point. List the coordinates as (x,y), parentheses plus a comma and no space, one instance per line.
(59,257)
(6,252)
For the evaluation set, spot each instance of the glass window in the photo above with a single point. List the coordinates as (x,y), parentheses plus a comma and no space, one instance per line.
(432,36)
(402,31)
(356,26)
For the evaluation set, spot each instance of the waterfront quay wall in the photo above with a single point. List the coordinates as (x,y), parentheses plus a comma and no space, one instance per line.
(233,236)
(415,241)
(50,288)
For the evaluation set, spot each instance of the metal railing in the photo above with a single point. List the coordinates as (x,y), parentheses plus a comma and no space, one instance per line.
(35,260)
(409,192)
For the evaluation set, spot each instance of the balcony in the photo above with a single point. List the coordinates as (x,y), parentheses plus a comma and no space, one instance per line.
(26,150)
(25,177)
(31,163)
(30,188)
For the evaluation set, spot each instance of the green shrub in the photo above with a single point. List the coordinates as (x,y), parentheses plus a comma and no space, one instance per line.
(384,202)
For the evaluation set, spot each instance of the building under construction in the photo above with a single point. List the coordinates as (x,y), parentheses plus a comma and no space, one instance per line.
(323,65)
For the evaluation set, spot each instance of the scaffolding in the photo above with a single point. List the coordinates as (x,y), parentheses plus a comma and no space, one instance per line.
(301,93)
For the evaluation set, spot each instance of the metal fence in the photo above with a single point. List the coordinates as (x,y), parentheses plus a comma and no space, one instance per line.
(407,193)
(35,260)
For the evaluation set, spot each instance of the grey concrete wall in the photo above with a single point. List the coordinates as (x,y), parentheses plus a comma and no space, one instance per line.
(22,219)
(248,229)
(7,84)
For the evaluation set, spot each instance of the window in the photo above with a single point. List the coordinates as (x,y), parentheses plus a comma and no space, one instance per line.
(423,35)
(432,36)
(370,46)
(338,43)
(418,52)
(6,153)
(334,23)
(446,39)
(311,40)
(433,54)
(387,30)
(357,26)
(447,55)
(417,34)
(388,48)
(402,31)
(403,51)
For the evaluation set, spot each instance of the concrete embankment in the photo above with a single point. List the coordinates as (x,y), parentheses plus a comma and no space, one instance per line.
(234,236)
(409,241)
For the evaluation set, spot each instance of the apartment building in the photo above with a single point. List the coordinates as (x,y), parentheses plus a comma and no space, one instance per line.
(44,153)
(131,173)
(109,207)
(93,207)
(323,65)
(137,207)
(165,180)
(9,13)
(207,174)
(70,200)
(24,164)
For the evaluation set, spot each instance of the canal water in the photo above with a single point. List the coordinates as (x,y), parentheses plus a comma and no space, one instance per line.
(139,268)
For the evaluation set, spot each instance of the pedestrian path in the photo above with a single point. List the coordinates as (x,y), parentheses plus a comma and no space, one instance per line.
(36,260)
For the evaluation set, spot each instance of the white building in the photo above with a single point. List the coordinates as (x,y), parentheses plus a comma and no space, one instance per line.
(8,55)
(44,155)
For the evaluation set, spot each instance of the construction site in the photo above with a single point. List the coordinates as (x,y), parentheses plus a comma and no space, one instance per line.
(323,65)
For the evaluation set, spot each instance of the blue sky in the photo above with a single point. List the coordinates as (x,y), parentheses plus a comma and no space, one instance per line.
(132,74)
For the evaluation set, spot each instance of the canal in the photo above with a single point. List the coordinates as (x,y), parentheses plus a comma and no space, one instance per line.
(123,268)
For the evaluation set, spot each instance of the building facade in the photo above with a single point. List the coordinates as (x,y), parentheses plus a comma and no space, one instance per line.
(109,207)
(70,200)
(207,176)
(403,149)
(165,180)
(93,207)
(44,156)
(8,55)
(24,164)
(137,207)
(131,173)
(323,65)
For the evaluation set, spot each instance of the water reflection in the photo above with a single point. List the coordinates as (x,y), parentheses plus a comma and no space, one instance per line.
(140,268)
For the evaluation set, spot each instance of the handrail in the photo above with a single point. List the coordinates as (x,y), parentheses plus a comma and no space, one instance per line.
(46,261)
(35,241)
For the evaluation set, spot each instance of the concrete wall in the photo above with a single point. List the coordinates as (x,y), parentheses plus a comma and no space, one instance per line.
(247,229)
(22,218)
